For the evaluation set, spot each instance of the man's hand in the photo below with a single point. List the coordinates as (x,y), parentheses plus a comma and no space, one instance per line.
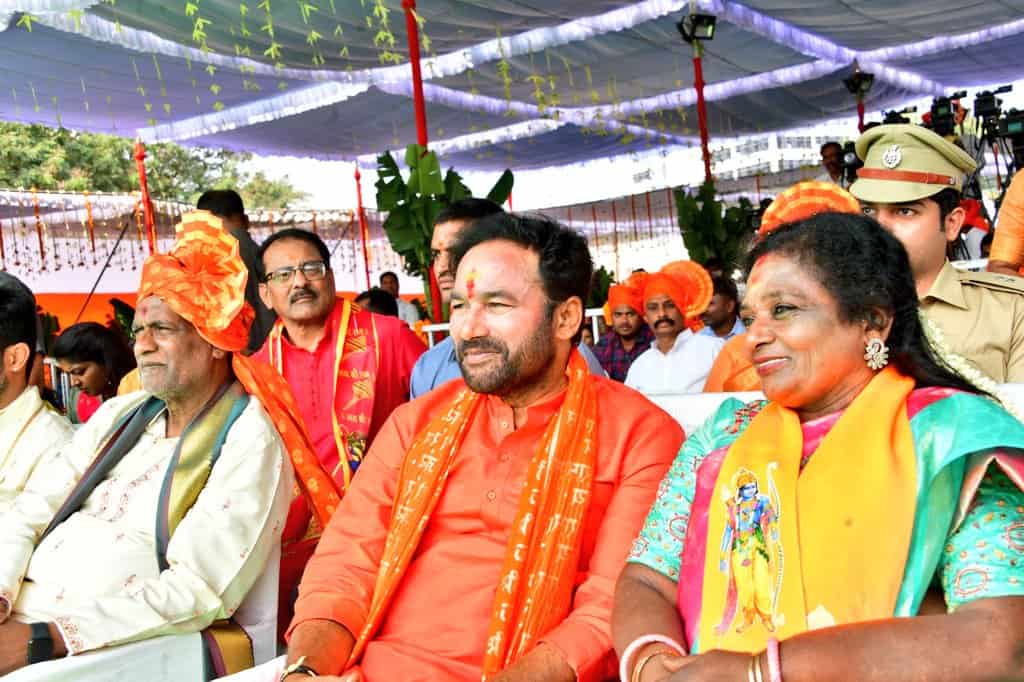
(14,638)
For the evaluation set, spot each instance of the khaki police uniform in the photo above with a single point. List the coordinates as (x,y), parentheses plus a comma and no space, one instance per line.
(981,315)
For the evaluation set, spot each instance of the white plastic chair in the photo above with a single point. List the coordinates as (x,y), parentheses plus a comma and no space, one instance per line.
(173,658)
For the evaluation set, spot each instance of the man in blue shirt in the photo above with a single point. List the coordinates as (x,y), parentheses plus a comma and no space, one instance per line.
(721,319)
(438,365)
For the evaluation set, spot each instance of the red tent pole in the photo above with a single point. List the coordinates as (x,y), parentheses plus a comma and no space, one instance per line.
(39,230)
(147,202)
(650,216)
(860,113)
(363,229)
(615,237)
(702,112)
(412,31)
(3,248)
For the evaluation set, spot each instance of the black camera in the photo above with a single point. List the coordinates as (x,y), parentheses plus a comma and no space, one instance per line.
(851,163)
(944,113)
(895,117)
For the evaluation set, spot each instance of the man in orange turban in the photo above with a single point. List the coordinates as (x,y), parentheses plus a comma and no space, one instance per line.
(629,336)
(678,361)
(204,446)
(733,370)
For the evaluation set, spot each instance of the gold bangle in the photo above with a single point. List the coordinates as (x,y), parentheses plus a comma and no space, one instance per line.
(638,669)
(758,676)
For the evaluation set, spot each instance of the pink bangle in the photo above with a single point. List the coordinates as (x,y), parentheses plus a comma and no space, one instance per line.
(637,644)
(774,665)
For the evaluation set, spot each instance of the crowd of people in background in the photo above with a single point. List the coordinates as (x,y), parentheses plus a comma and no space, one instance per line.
(511,504)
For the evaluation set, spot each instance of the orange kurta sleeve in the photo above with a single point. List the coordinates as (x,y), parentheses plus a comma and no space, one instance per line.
(1008,244)
(645,452)
(338,582)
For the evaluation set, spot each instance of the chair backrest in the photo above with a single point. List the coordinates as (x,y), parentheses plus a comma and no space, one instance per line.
(691,409)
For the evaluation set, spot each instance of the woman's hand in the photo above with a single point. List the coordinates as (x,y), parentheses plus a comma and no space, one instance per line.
(662,667)
(714,666)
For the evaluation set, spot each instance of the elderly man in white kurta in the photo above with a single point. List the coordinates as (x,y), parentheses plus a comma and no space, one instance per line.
(161,513)
(29,428)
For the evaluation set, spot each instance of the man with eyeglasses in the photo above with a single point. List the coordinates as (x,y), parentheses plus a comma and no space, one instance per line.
(348,367)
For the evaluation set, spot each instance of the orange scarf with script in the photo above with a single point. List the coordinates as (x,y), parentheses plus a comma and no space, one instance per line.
(534,592)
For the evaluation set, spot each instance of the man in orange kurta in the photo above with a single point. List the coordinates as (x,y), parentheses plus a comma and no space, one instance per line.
(490,519)
(1007,255)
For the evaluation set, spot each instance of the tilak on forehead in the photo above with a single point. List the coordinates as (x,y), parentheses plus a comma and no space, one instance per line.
(471,283)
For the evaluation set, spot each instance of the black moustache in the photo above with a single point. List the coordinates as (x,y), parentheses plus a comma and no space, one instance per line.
(665,320)
(302,292)
(485,345)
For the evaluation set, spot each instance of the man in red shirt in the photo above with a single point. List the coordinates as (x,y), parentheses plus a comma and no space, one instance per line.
(490,521)
(348,368)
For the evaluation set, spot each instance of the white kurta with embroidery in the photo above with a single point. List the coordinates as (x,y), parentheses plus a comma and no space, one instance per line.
(30,431)
(96,575)
(684,369)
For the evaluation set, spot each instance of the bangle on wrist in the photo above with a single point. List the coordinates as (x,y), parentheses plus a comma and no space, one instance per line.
(774,662)
(625,664)
(638,669)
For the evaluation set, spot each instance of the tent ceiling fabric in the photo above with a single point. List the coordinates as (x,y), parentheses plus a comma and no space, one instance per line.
(568,81)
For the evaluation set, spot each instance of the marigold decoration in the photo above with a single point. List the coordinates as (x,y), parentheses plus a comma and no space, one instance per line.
(804,200)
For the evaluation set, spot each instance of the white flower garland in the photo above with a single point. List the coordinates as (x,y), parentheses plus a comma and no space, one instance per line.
(963,366)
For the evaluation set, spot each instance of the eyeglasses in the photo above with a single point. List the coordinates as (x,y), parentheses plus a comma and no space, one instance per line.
(312,270)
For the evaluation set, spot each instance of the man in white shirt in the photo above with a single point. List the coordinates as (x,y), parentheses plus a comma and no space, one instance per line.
(678,361)
(160,514)
(29,428)
(407,312)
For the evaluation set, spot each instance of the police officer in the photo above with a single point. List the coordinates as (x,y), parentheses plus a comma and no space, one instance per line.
(911,184)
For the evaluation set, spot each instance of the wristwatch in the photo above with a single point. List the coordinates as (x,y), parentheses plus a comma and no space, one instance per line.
(299,667)
(40,643)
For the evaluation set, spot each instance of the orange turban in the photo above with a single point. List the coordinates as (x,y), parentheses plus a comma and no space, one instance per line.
(203,280)
(630,292)
(686,283)
(804,200)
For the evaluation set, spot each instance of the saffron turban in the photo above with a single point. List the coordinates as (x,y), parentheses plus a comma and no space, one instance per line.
(686,283)
(629,293)
(203,280)
(805,200)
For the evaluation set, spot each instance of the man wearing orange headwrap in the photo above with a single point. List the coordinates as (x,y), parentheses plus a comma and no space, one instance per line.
(733,369)
(202,449)
(629,336)
(678,361)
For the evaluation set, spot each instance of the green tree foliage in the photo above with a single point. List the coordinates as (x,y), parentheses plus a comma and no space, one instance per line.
(710,230)
(259,191)
(59,159)
(413,203)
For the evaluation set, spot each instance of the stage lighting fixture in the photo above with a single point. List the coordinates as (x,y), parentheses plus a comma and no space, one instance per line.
(697,27)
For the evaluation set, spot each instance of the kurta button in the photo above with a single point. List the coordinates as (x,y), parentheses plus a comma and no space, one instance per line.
(491,495)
